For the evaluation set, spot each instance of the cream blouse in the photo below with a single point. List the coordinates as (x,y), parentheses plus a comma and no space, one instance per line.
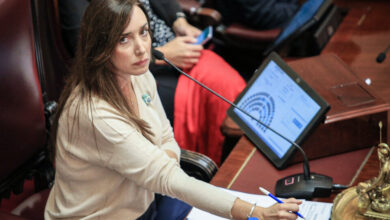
(106,169)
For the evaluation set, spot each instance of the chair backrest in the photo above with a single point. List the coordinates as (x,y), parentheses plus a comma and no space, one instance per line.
(33,63)
(54,58)
(31,72)
(22,119)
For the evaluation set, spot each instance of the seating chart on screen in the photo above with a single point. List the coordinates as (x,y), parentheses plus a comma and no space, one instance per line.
(278,101)
(282,108)
(262,106)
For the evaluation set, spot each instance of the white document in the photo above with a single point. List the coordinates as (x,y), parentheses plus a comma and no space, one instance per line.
(310,210)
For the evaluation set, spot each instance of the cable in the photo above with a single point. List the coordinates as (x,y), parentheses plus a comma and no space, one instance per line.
(339,187)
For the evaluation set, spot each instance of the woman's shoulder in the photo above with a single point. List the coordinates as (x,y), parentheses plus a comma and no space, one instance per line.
(91,108)
(94,113)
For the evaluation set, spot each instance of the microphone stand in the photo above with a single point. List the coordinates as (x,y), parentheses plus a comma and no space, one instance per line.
(382,56)
(306,185)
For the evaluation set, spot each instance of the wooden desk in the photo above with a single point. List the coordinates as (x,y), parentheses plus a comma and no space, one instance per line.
(236,165)
(363,34)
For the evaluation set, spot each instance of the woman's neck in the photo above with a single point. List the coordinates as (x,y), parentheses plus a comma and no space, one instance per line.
(124,82)
(127,89)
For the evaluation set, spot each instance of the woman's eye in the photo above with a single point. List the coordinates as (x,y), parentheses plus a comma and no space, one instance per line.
(145,32)
(123,40)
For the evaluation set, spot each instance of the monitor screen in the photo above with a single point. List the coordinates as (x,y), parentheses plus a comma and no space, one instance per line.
(281,100)
(300,21)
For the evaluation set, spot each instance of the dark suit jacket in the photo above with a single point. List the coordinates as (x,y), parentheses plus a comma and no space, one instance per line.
(258,14)
(166,9)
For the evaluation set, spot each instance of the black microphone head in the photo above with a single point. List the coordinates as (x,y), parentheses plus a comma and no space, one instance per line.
(381,57)
(157,54)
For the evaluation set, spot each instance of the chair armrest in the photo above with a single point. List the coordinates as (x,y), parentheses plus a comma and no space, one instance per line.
(232,133)
(209,16)
(198,165)
(34,206)
(200,15)
(9,216)
(230,129)
(189,6)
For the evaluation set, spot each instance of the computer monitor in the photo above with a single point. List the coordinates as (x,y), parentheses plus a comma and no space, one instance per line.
(308,14)
(283,101)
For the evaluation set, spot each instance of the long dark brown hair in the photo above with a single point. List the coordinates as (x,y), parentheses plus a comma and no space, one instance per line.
(92,71)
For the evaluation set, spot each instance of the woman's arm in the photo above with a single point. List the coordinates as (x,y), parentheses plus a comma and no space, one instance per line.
(122,148)
(242,210)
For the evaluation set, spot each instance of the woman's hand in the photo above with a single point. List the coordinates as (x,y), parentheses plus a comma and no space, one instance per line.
(279,211)
(182,51)
(182,28)
(283,211)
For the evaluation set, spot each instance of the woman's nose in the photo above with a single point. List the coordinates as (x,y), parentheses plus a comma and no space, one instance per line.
(139,46)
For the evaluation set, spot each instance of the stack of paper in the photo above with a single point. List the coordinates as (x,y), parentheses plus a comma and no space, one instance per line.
(310,210)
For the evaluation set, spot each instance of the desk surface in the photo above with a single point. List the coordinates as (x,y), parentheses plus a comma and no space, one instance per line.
(363,34)
(244,153)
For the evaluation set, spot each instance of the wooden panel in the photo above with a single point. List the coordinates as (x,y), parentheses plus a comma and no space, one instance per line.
(326,73)
(235,161)
(361,37)
(352,122)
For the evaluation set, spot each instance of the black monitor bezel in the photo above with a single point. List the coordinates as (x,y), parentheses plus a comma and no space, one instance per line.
(316,17)
(280,163)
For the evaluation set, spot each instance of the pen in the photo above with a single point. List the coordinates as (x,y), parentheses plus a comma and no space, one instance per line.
(277,200)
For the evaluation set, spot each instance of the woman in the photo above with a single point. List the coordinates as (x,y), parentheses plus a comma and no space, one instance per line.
(114,145)
(187,106)
(195,113)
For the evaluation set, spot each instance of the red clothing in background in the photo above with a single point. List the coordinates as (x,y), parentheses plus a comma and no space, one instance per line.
(198,114)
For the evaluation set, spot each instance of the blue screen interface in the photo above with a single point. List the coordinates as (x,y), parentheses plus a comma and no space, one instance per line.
(280,103)
(301,17)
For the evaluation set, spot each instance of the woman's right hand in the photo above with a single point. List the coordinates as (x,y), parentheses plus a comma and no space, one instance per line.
(284,211)
(279,211)
(182,51)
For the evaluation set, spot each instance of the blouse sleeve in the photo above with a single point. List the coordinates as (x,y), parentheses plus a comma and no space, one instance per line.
(137,159)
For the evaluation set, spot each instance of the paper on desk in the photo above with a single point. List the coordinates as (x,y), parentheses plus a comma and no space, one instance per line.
(310,210)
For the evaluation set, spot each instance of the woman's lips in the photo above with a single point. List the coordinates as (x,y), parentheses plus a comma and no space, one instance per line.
(141,62)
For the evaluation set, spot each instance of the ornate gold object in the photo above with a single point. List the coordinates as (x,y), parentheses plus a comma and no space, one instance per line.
(369,199)
(374,194)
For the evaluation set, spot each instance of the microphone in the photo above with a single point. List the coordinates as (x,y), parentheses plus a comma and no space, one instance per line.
(382,55)
(306,185)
